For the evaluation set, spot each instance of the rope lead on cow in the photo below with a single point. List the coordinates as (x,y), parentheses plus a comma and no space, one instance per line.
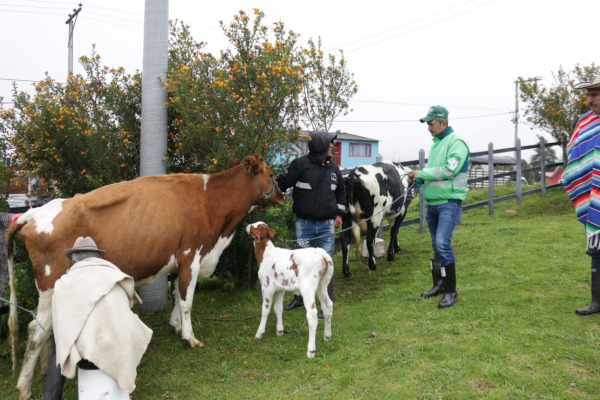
(27,311)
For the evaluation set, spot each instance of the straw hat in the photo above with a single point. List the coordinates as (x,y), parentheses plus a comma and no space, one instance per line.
(595,83)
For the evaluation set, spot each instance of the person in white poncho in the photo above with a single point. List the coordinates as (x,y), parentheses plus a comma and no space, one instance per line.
(94,326)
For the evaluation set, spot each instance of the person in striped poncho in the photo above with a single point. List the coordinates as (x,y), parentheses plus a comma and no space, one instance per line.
(581,179)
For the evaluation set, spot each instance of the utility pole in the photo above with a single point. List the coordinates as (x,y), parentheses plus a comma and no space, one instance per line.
(516,119)
(71,21)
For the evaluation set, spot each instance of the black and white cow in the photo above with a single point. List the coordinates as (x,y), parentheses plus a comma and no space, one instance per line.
(374,192)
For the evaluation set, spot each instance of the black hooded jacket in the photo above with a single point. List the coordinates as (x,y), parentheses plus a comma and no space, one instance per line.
(319,192)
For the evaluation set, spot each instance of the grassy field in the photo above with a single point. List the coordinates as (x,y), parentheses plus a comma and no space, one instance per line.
(512,334)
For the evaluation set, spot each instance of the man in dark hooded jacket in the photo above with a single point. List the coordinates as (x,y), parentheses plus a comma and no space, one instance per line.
(319,197)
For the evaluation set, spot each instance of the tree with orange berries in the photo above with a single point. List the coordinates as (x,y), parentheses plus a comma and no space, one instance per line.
(241,103)
(80,135)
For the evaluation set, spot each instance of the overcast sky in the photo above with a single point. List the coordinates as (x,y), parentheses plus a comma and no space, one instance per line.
(405,55)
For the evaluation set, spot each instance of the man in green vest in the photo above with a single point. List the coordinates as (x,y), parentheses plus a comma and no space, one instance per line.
(444,182)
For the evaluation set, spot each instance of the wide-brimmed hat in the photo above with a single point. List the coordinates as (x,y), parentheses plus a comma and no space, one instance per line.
(595,83)
(435,112)
(83,244)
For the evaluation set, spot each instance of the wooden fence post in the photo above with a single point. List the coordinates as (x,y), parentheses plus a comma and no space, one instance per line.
(543,165)
(519,167)
(491,178)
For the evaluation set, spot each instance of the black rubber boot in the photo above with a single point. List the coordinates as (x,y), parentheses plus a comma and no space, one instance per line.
(54,380)
(295,303)
(437,279)
(330,293)
(448,286)
(594,306)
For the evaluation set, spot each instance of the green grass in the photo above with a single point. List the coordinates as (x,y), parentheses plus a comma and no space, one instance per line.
(511,335)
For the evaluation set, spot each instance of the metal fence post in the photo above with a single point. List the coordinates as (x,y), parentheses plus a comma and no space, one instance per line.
(421,200)
(491,178)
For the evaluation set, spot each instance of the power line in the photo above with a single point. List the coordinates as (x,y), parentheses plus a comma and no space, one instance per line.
(18,80)
(141,15)
(415,120)
(23,6)
(30,12)
(419,105)
(401,26)
(419,27)
(102,15)
(51,2)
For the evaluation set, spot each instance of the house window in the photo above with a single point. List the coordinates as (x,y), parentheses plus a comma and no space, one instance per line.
(360,149)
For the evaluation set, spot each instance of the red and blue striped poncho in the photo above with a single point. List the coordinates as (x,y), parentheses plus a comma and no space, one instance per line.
(581,177)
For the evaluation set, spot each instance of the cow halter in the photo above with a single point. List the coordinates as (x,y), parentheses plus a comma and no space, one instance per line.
(266,195)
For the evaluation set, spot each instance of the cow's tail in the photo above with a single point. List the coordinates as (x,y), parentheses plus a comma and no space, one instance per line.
(13,320)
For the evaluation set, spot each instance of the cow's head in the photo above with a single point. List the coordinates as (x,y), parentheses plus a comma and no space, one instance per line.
(259,231)
(270,195)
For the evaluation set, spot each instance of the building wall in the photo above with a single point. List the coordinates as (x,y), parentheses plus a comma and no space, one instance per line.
(351,161)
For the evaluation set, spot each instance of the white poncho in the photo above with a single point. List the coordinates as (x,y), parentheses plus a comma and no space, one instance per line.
(92,318)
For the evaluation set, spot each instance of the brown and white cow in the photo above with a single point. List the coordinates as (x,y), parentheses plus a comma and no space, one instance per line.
(149,226)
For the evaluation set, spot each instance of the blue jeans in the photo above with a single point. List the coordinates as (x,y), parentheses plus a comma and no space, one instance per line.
(442,219)
(307,231)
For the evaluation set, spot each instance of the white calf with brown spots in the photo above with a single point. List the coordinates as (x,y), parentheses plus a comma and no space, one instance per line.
(304,271)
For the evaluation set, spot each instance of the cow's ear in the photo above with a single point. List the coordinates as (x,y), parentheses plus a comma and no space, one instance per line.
(252,163)
(271,232)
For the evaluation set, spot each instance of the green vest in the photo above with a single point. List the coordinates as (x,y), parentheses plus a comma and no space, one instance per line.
(445,177)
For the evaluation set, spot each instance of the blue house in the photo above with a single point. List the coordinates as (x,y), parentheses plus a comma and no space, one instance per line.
(351,150)
(354,150)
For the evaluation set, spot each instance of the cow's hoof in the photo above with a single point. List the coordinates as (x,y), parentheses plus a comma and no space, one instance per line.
(327,338)
(373,267)
(279,333)
(195,343)
(311,354)
(347,274)
(391,257)
(258,336)
(26,396)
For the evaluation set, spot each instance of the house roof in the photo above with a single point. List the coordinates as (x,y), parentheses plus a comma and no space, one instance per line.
(349,136)
(346,136)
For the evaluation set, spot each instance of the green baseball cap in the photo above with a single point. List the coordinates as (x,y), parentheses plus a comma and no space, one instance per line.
(435,112)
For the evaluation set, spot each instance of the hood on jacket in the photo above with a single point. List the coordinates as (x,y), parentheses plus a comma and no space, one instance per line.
(318,145)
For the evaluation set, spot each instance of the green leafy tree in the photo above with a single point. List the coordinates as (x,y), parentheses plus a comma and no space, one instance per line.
(557,109)
(80,135)
(328,87)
